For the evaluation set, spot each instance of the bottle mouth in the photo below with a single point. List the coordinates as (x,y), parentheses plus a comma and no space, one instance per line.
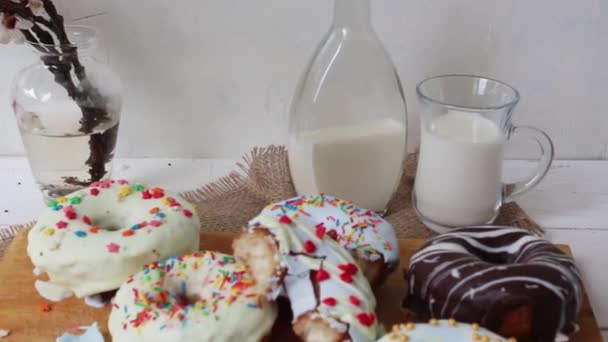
(77,37)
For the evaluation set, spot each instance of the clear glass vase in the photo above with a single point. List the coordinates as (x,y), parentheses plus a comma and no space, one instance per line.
(67,107)
(348,120)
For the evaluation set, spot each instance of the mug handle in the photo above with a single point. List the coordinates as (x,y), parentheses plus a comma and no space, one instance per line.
(513,190)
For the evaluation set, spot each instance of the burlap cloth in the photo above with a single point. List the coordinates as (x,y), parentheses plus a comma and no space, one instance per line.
(228,203)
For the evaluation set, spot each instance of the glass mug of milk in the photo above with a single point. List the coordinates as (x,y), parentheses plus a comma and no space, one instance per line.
(465,124)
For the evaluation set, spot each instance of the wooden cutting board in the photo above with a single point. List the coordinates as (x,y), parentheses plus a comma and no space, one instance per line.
(19,300)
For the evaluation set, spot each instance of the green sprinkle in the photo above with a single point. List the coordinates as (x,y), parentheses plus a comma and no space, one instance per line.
(138,187)
(52,203)
(75,200)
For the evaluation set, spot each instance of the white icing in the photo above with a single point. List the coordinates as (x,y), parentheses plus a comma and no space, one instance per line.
(52,292)
(441,332)
(341,216)
(37,271)
(85,264)
(455,273)
(223,305)
(327,256)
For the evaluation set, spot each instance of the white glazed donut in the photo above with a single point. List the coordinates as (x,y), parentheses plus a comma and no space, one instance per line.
(441,330)
(204,296)
(92,240)
(369,237)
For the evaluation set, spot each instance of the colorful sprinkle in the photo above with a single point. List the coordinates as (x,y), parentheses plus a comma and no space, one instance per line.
(124,191)
(322,275)
(146,195)
(49,231)
(354,300)
(62,200)
(58,207)
(61,224)
(52,203)
(320,230)
(347,278)
(349,268)
(122,182)
(94,191)
(161,214)
(75,200)
(330,301)
(138,187)
(113,248)
(155,223)
(332,234)
(187,213)
(309,246)
(154,210)
(87,220)
(285,220)
(128,232)
(80,233)
(366,319)
(44,307)
(94,229)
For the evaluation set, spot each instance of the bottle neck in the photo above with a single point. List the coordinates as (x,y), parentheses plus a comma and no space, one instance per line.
(352,13)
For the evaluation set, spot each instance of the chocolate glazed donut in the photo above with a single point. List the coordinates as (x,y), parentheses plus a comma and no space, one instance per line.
(503,278)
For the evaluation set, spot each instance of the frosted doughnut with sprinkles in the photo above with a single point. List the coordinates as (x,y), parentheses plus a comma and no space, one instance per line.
(504,278)
(447,330)
(204,296)
(330,297)
(92,240)
(369,237)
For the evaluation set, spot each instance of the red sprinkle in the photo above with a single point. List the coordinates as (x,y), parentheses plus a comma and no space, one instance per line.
(87,220)
(187,213)
(330,301)
(128,232)
(332,234)
(320,230)
(347,278)
(62,224)
(354,300)
(94,191)
(155,223)
(44,307)
(285,220)
(309,246)
(349,268)
(366,319)
(113,248)
(122,182)
(71,215)
(322,275)
(146,194)
(158,195)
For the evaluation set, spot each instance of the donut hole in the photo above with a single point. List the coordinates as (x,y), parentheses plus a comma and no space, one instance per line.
(110,221)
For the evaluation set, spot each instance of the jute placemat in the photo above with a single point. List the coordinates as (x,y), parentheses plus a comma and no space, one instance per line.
(228,203)
(263,177)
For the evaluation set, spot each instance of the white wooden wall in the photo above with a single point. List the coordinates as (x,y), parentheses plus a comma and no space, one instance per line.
(209,78)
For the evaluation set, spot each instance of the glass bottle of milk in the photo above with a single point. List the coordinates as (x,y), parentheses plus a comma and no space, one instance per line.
(348,120)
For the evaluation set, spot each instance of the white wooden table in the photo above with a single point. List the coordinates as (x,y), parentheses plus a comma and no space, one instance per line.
(571,204)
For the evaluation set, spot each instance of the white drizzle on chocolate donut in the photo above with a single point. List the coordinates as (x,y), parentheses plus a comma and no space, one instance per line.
(479,274)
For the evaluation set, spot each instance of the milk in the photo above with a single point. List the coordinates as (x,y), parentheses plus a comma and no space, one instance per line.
(361,163)
(458,181)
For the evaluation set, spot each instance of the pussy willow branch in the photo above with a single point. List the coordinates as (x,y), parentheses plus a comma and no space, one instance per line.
(61,57)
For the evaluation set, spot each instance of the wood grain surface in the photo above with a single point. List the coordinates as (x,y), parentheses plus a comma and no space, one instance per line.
(19,300)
